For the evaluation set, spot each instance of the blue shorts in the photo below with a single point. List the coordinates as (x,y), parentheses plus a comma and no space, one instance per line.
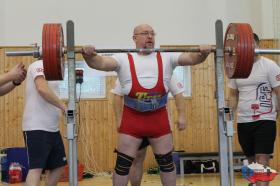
(257,137)
(45,149)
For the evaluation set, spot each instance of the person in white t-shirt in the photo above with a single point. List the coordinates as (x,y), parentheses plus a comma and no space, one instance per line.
(256,99)
(11,79)
(144,77)
(176,89)
(42,137)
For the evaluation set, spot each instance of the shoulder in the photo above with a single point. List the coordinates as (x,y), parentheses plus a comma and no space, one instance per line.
(118,56)
(36,68)
(266,61)
(36,65)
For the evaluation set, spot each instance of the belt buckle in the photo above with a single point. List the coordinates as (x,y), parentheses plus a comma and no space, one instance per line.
(155,104)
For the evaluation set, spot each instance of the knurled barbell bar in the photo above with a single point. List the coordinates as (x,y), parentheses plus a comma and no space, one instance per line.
(239,51)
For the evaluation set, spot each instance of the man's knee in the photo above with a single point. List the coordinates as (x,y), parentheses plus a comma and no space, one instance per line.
(123,164)
(165,162)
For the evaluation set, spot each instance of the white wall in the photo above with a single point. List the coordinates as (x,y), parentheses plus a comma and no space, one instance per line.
(109,23)
(2,22)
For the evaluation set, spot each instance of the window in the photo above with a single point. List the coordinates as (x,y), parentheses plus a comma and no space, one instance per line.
(94,85)
(183,74)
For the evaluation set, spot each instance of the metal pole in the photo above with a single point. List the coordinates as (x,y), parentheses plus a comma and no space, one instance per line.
(230,153)
(267,51)
(228,127)
(71,112)
(223,153)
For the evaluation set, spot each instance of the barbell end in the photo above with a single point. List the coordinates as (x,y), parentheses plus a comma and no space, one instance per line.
(36,53)
(267,51)
(21,53)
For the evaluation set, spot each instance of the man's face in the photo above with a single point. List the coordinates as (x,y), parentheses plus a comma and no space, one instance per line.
(144,36)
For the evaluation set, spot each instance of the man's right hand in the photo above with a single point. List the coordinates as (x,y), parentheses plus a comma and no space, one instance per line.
(88,51)
(181,122)
(18,73)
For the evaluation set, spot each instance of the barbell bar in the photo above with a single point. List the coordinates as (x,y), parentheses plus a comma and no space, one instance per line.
(37,52)
(239,51)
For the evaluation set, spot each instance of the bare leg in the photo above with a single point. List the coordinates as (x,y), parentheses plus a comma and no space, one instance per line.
(54,176)
(163,145)
(33,177)
(127,145)
(264,160)
(136,170)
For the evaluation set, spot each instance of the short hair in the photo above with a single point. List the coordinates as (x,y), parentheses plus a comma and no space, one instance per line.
(256,38)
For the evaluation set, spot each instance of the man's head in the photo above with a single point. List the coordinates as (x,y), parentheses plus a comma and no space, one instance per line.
(257,40)
(144,36)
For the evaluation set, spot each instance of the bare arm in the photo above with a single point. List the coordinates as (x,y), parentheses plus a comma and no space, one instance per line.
(233,99)
(9,80)
(17,74)
(277,92)
(5,78)
(181,109)
(188,58)
(45,91)
(98,62)
(118,108)
(6,88)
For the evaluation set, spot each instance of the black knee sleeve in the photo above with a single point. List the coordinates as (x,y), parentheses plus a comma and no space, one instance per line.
(123,164)
(165,162)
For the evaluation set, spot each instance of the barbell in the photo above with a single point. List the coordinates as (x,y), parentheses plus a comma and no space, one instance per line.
(239,51)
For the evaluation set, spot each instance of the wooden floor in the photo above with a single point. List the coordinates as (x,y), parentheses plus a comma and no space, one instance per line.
(154,180)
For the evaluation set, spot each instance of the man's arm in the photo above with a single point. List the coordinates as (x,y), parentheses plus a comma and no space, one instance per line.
(277,93)
(233,99)
(118,108)
(192,58)
(11,79)
(17,74)
(5,78)
(45,91)
(181,110)
(98,62)
(6,88)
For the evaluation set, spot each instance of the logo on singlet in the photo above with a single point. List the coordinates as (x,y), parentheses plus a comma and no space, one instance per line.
(147,95)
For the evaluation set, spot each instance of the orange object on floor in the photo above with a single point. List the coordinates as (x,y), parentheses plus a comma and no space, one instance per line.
(65,175)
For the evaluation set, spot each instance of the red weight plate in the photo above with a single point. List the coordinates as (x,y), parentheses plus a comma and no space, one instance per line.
(250,49)
(247,43)
(230,42)
(239,38)
(241,73)
(53,57)
(240,50)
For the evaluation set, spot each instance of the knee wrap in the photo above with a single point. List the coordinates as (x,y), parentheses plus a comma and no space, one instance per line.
(165,162)
(123,164)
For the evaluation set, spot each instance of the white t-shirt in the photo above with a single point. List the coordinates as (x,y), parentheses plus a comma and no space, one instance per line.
(146,69)
(38,113)
(175,87)
(255,92)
